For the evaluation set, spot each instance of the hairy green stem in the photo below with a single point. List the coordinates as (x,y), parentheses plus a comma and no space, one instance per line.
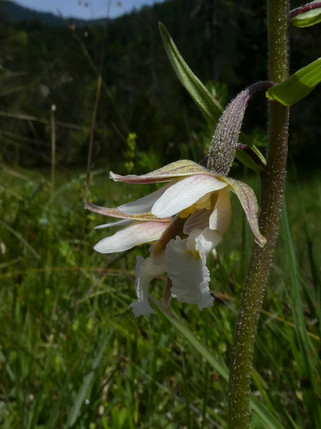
(273,184)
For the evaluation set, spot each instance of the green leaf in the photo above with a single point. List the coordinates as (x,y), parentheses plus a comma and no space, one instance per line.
(307,15)
(297,86)
(207,104)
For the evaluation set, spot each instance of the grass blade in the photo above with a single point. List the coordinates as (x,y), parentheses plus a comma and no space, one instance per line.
(83,391)
(263,414)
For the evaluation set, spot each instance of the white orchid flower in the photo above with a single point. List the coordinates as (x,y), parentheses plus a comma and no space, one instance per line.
(184,220)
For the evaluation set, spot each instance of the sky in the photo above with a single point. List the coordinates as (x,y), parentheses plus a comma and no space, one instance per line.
(86,9)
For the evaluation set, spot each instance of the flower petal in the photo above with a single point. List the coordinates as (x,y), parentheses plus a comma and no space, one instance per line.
(220,218)
(169,172)
(118,223)
(145,271)
(115,212)
(144,204)
(174,228)
(189,274)
(184,193)
(134,235)
(203,241)
(248,201)
(198,220)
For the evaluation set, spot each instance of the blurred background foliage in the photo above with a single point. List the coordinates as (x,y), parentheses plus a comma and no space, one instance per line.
(47,60)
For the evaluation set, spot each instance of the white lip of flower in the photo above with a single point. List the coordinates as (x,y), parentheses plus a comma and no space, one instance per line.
(185,219)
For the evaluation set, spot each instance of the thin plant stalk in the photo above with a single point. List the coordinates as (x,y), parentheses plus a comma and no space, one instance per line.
(273,184)
(92,132)
(52,180)
(98,94)
(53,149)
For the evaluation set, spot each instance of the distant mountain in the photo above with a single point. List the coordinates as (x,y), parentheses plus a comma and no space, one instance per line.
(12,12)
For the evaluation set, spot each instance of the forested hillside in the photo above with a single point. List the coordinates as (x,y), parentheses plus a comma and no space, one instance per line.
(47,61)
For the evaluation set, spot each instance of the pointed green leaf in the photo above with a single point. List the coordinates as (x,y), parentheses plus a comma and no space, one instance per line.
(210,108)
(307,15)
(208,105)
(298,85)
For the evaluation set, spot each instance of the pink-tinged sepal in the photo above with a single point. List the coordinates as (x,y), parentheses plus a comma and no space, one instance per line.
(248,201)
(169,172)
(115,212)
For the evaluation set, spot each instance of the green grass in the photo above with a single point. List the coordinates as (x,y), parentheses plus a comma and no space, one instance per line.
(73,356)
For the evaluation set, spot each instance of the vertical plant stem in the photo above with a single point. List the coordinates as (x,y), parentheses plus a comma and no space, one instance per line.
(92,132)
(52,181)
(273,184)
(53,151)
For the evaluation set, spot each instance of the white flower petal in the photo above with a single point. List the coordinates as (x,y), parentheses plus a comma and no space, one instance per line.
(117,223)
(133,235)
(184,193)
(144,204)
(145,271)
(203,241)
(188,273)
(220,218)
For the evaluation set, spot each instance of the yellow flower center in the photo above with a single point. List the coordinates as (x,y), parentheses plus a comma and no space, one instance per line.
(195,253)
(203,203)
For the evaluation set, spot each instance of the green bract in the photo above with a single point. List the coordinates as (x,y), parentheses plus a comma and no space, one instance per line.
(297,86)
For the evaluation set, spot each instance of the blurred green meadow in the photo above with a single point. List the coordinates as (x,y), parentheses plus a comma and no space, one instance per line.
(73,355)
